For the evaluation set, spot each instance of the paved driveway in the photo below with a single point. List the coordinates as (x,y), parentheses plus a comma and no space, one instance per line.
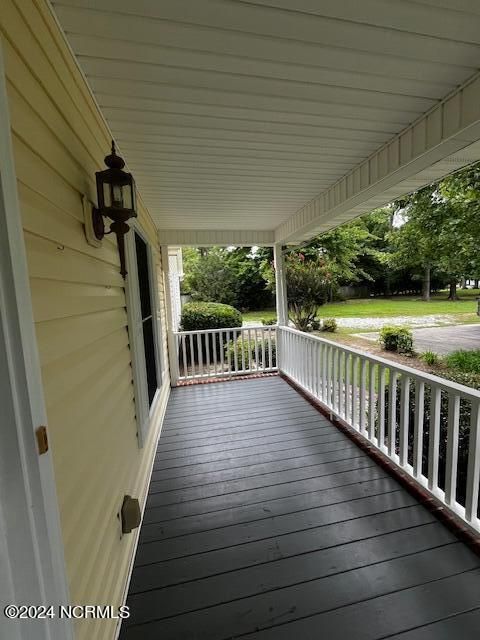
(441,340)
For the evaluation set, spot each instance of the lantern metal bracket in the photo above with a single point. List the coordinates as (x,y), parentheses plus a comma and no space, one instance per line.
(92,219)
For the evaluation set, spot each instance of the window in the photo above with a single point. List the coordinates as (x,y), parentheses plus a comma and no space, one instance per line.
(144,331)
(145,290)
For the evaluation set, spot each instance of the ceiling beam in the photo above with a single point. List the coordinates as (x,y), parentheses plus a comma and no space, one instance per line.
(207,237)
(421,153)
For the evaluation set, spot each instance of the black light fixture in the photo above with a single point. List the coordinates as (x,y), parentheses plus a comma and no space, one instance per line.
(116,200)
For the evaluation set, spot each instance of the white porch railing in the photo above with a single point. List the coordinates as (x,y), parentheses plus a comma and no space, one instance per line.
(220,353)
(431,429)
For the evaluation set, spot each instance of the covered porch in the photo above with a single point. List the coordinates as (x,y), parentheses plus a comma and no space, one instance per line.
(265,520)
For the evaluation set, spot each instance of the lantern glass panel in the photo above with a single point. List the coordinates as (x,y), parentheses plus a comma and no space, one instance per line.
(127,196)
(117,196)
(107,198)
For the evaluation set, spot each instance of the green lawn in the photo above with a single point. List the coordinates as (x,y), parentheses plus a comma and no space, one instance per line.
(383,307)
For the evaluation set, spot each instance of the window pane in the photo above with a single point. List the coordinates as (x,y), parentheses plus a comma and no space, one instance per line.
(147,317)
(143,276)
(149,344)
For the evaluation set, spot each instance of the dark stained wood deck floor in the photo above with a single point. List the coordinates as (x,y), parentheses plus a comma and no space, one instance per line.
(264,521)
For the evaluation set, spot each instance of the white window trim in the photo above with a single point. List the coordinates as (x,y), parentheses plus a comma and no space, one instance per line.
(144,412)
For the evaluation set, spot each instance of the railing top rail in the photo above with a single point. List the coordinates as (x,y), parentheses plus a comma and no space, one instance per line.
(259,326)
(447,385)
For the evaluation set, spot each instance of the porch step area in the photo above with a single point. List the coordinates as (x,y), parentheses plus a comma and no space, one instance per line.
(264,521)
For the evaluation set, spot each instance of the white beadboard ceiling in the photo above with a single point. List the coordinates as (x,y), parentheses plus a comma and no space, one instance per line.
(234,114)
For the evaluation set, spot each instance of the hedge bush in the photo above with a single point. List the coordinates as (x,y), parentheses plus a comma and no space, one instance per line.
(247,348)
(398,339)
(209,315)
(197,316)
(330,325)
(268,322)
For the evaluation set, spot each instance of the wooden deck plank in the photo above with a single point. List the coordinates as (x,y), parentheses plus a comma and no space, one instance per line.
(464,626)
(263,494)
(310,598)
(260,511)
(390,614)
(252,470)
(213,554)
(264,521)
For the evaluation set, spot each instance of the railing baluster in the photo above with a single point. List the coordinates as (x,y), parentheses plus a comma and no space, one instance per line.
(404,420)
(207,352)
(347,384)
(264,337)
(452,448)
(392,413)
(255,340)
(229,354)
(242,342)
(418,428)
(473,469)
(382,374)
(434,437)
(200,354)
(184,354)
(249,352)
(270,348)
(363,393)
(354,391)
(341,360)
(235,350)
(192,355)
(222,352)
(372,372)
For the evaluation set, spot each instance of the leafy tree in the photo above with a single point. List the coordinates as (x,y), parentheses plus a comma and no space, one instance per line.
(414,245)
(308,284)
(228,275)
(209,276)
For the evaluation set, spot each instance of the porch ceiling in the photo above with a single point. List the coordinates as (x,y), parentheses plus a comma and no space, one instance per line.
(234,114)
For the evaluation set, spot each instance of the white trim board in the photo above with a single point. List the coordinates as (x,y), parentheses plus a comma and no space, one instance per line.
(31,545)
(144,411)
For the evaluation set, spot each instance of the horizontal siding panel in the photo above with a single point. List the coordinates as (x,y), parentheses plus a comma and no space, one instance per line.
(28,34)
(112,374)
(53,261)
(42,218)
(82,364)
(58,338)
(53,300)
(45,144)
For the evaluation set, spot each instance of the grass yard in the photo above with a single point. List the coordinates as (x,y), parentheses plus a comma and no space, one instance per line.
(395,306)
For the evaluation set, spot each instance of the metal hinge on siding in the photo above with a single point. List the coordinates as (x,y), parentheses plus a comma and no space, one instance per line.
(42,439)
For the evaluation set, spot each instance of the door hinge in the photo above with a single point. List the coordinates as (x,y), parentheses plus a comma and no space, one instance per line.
(42,440)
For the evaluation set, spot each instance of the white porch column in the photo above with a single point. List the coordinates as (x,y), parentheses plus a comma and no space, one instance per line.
(171,342)
(280,285)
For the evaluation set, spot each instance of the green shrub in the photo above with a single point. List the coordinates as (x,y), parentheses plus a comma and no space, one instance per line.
(465,361)
(430,358)
(268,322)
(197,316)
(246,347)
(315,324)
(209,315)
(398,339)
(330,325)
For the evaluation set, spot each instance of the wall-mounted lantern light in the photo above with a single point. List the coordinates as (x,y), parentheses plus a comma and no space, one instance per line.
(116,200)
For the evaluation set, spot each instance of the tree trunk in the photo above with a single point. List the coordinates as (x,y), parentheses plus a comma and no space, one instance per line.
(453,290)
(426,283)
(476,284)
